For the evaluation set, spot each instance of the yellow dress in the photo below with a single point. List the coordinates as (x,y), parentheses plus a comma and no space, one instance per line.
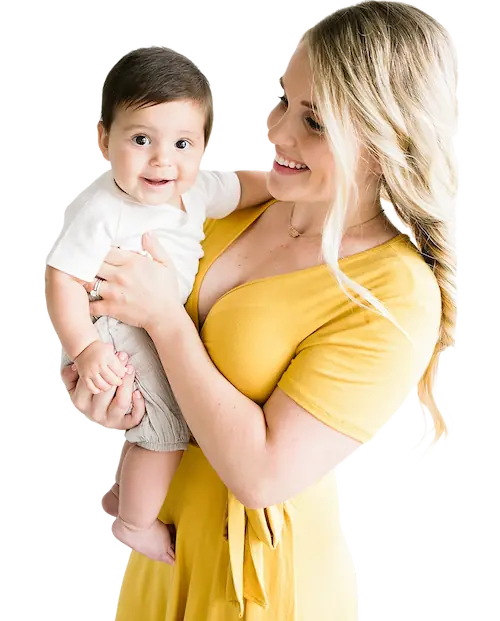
(348,367)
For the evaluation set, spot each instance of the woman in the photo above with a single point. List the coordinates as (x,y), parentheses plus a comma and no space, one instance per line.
(281,369)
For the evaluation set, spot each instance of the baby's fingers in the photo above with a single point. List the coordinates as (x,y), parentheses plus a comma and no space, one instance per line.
(110,377)
(91,386)
(117,367)
(100,382)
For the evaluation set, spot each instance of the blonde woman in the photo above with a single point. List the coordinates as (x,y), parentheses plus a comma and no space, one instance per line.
(311,319)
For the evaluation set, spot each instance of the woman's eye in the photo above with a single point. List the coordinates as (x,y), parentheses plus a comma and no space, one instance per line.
(182,145)
(314,125)
(141,140)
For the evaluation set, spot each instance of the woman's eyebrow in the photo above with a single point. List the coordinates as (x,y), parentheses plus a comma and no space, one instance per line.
(307,104)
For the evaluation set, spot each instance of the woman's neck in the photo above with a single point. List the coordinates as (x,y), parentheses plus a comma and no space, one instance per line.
(309,218)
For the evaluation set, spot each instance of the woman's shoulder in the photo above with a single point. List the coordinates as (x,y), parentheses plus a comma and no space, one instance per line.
(414,276)
(397,275)
(395,270)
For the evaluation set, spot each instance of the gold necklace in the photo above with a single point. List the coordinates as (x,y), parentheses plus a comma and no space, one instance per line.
(292,231)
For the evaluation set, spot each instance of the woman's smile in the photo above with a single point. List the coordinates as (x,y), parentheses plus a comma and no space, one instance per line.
(286,169)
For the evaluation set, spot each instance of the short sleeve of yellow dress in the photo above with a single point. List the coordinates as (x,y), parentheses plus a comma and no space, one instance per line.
(347,366)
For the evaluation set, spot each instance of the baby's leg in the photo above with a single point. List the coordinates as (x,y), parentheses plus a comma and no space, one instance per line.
(143,484)
(110,498)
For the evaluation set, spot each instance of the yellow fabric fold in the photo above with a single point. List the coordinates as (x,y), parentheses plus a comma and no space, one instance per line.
(249,531)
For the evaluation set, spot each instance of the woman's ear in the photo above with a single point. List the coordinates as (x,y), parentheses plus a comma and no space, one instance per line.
(103,140)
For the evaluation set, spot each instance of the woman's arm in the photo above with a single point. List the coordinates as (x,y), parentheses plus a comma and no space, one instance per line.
(253,188)
(264,456)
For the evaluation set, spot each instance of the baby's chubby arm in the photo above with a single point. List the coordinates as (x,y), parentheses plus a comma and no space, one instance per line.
(253,188)
(68,307)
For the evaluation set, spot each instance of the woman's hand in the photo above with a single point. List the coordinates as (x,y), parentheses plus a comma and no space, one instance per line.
(138,290)
(111,408)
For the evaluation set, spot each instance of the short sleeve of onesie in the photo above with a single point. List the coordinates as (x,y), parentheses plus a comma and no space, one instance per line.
(88,232)
(220,192)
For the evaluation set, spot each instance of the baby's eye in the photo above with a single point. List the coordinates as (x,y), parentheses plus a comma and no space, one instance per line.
(182,145)
(141,140)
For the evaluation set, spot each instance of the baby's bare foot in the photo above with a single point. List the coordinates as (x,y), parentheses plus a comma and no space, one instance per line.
(110,501)
(154,542)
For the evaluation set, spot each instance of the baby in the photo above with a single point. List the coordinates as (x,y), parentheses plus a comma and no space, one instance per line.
(155,124)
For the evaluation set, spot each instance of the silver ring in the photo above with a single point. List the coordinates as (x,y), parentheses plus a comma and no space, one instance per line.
(94,293)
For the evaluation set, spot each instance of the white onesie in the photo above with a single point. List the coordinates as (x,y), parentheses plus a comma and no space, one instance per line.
(103,216)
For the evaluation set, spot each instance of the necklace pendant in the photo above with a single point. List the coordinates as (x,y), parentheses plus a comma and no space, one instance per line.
(293,231)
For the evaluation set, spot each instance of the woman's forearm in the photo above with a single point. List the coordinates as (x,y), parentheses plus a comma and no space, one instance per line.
(230,428)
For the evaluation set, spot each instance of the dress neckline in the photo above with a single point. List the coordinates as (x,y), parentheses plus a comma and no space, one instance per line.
(236,234)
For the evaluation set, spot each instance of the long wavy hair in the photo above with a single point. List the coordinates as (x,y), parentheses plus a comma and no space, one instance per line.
(384,74)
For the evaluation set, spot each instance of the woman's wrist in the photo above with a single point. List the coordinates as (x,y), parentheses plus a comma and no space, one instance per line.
(170,324)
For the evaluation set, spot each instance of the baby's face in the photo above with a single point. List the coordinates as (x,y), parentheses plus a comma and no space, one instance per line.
(155,152)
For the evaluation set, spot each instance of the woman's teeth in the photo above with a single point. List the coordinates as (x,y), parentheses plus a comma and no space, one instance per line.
(290,163)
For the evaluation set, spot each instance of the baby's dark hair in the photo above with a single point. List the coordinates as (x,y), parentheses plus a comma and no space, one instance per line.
(154,75)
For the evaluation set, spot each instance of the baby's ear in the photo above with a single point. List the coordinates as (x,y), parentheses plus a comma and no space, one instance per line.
(103,140)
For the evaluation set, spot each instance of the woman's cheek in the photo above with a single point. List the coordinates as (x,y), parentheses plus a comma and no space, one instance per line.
(274,118)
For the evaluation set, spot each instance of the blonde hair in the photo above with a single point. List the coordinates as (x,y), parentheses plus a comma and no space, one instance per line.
(384,74)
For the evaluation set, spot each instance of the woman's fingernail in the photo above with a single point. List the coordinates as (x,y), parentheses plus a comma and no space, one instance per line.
(137,394)
(129,370)
(122,355)
(73,367)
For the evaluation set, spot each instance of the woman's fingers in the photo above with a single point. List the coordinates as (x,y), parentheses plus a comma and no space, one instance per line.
(131,417)
(117,256)
(99,407)
(82,398)
(151,245)
(107,406)
(90,286)
(69,377)
(120,414)
(138,410)
(122,400)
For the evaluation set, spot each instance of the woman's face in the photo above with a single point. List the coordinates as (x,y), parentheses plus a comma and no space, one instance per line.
(304,164)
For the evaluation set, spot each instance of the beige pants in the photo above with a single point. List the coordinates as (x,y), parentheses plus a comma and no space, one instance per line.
(163,427)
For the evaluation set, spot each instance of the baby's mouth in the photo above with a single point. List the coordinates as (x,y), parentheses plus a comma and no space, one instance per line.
(157,182)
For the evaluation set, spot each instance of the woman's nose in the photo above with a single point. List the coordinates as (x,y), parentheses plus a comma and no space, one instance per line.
(280,130)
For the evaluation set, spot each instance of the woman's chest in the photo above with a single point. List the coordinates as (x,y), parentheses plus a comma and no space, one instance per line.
(262,251)
(256,299)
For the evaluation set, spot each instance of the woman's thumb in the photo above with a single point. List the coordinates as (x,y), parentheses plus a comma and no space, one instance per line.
(152,246)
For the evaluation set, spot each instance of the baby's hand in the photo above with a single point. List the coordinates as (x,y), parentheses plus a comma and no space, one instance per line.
(99,367)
